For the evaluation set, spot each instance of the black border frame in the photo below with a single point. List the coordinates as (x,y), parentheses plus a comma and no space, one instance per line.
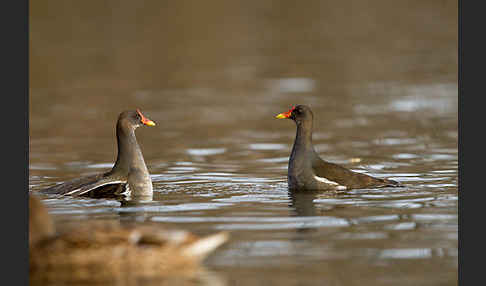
(14,27)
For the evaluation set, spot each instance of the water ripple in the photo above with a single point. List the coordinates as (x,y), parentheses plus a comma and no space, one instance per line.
(206,151)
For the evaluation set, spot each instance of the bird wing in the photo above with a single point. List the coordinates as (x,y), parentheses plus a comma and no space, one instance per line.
(343,176)
(83,185)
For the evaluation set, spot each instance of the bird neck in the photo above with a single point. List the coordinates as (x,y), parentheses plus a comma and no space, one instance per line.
(129,153)
(303,136)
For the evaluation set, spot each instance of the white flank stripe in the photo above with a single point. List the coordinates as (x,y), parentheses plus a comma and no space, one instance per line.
(324,180)
(127,191)
(96,186)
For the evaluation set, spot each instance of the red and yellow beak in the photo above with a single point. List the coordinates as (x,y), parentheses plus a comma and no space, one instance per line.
(285,114)
(145,120)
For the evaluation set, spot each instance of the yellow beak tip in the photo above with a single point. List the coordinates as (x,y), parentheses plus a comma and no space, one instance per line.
(280,116)
(150,123)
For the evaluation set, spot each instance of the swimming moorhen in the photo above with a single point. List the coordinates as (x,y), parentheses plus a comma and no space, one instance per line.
(129,175)
(307,171)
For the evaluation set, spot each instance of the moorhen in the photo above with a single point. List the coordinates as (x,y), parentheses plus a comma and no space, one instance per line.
(129,175)
(307,171)
(108,251)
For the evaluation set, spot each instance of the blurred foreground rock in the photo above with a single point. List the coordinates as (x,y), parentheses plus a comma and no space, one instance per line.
(104,252)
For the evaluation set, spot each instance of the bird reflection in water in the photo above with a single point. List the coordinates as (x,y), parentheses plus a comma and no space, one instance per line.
(302,205)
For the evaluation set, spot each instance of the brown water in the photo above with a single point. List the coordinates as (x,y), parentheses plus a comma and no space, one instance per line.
(382,84)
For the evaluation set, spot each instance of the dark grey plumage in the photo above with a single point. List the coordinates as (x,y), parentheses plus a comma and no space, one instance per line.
(129,175)
(307,171)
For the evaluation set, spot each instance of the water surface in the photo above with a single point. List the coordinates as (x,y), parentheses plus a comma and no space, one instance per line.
(383,89)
